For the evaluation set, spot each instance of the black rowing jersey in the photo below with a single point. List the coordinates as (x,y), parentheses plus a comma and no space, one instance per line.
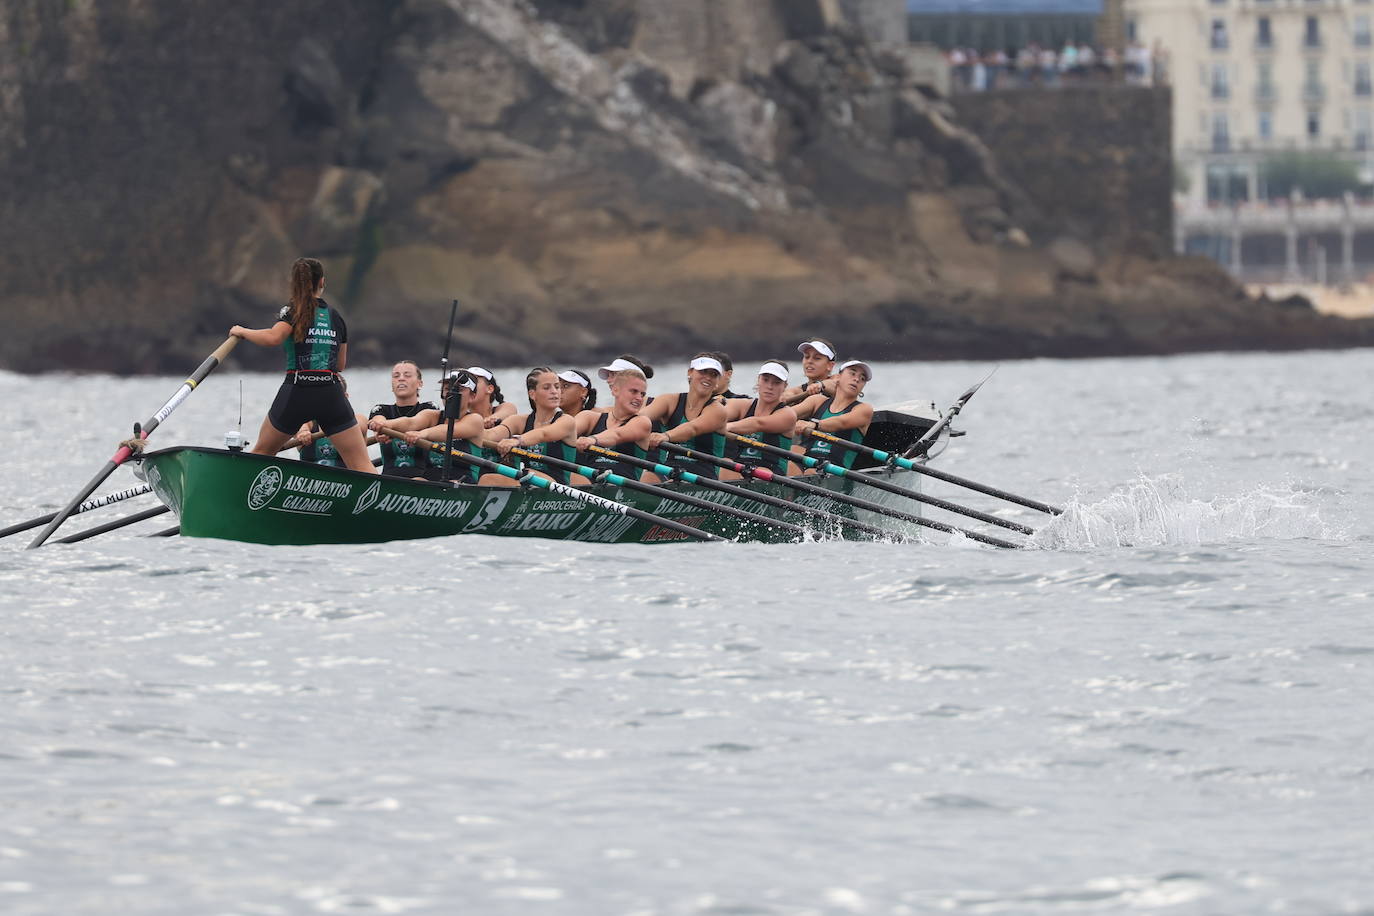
(318,354)
(828,451)
(606,463)
(322,451)
(557,449)
(398,458)
(710,443)
(749,454)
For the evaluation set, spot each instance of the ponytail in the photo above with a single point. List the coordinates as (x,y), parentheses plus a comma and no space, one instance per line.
(590,402)
(306,275)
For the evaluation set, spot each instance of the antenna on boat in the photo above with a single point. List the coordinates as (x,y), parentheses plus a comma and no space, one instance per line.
(443,378)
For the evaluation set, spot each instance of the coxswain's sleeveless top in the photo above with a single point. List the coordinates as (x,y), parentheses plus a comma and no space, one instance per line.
(462,471)
(606,463)
(557,449)
(398,458)
(828,451)
(322,451)
(315,360)
(710,443)
(748,454)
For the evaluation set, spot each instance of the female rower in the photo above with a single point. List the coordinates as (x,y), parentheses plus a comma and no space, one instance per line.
(619,427)
(577,393)
(763,418)
(546,429)
(818,365)
(315,338)
(694,418)
(399,458)
(489,401)
(469,433)
(727,375)
(841,415)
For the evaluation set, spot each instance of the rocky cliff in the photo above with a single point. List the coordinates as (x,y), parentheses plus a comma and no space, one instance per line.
(586,176)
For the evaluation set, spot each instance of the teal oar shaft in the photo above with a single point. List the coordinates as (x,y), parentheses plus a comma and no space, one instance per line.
(117,523)
(90,504)
(887,486)
(124,452)
(785,504)
(534,480)
(766,474)
(908,464)
(632,484)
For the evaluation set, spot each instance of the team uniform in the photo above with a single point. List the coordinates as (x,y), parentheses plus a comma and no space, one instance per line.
(710,443)
(749,454)
(827,451)
(607,463)
(398,458)
(312,389)
(322,451)
(558,449)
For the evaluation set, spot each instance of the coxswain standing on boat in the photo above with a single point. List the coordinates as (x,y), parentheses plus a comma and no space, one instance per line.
(315,338)
(402,459)
(841,415)
(818,365)
(314,446)
(694,418)
(546,429)
(763,418)
(619,427)
(576,391)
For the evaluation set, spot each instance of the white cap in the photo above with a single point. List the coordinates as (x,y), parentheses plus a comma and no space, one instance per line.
(777,370)
(478,370)
(850,363)
(819,346)
(575,377)
(702,363)
(617,365)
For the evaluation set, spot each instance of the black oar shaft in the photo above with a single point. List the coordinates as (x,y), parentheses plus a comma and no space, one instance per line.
(845,498)
(908,464)
(123,453)
(785,504)
(108,499)
(117,523)
(889,487)
(631,484)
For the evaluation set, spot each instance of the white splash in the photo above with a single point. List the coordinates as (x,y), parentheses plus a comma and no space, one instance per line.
(1158,511)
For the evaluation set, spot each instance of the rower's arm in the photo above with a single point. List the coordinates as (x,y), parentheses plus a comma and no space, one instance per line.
(505,411)
(274,336)
(780,421)
(858,418)
(343,357)
(493,436)
(710,420)
(806,408)
(422,420)
(564,428)
(631,431)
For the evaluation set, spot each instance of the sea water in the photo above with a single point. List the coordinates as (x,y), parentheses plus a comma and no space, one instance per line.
(1163,704)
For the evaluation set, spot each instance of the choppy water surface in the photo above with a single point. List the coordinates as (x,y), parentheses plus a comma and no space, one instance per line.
(1164,706)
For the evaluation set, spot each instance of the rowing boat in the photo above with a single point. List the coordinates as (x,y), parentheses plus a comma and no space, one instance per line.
(235,495)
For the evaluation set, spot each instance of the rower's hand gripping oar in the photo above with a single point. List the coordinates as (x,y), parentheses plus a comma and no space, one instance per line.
(125,451)
(836,497)
(908,464)
(923,444)
(543,483)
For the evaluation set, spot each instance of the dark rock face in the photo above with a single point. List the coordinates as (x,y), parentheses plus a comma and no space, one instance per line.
(580,196)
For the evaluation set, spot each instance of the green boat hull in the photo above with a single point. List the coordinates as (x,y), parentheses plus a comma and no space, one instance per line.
(245,497)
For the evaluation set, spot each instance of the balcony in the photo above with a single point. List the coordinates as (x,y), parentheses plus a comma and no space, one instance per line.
(1264,45)
(1313,92)
(1363,40)
(1364,89)
(1220,43)
(1220,92)
(1221,143)
(1266,94)
(1311,42)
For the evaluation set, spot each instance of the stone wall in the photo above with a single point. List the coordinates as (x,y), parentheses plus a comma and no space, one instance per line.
(1095,161)
(881,21)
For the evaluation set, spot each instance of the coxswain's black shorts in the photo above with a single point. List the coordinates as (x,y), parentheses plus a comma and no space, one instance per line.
(296,405)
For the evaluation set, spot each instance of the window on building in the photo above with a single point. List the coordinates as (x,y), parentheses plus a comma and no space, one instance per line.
(1221,132)
(1264,125)
(1219,40)
(1314,123)
(1221,88)
(1264,33)
(1362,78)
(1359,30)
(1132,30)
(1227,182)
(1264,81)
(1312,32)
(1364,127)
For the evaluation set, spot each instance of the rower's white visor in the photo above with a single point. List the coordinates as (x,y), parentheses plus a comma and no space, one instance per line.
(702,363)
(819,346)
(464,381)
(575,378)
(478,370)
(617,365)
(849,364)
(777,370)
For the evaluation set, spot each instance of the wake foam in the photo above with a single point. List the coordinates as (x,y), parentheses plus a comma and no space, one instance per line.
(1156,512)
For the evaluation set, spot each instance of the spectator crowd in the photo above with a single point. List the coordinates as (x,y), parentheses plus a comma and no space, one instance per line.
(1037,66)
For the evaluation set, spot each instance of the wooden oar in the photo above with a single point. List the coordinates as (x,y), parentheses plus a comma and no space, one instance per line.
(908,464)
(117,523)
(631,484)
(709,483)
(886,486)
(124,451)
(534,480)
(108,499)
(793,483)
